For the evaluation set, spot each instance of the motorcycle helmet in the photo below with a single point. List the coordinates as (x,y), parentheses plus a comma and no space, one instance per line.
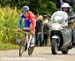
(65,7)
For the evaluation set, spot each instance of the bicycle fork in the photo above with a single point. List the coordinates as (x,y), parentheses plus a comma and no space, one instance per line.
(29,41)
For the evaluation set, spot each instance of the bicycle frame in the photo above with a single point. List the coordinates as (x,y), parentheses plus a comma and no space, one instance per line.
(26,39)
(27,43)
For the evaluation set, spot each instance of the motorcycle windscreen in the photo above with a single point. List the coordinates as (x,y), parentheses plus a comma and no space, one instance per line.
(59,16)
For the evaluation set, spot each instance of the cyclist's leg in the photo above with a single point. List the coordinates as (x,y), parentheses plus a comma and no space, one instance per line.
(24,38)
(26,27)
(26,41)
(33,40)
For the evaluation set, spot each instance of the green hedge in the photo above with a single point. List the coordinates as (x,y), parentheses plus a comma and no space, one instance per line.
(8,24)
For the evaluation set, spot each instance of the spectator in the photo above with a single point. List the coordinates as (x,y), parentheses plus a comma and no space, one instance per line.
(45,32)
(39,30)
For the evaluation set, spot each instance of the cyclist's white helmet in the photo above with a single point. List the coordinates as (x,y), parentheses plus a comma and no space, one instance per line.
(65,5)
(25,8)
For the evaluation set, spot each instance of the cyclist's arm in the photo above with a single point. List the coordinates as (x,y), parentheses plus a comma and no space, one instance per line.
(33,24)
(31,17)
(20,21)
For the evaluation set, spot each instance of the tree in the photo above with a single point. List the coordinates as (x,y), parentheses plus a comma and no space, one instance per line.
(38,7)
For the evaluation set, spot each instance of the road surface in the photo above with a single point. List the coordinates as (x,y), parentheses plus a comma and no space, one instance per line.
(39,54)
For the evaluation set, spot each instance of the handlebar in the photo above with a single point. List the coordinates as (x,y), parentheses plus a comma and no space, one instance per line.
(26,30)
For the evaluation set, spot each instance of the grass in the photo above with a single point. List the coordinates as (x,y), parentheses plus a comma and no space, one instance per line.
(8,46)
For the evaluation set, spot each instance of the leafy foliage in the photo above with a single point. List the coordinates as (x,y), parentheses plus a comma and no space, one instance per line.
(38,7)
(8,24)
(9,15)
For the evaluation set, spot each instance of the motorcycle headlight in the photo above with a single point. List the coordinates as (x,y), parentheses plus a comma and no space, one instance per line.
(56,26)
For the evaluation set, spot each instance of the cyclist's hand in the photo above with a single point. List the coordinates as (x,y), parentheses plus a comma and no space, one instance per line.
(19,30)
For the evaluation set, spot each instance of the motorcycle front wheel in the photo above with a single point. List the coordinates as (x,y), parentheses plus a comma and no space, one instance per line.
(54,46)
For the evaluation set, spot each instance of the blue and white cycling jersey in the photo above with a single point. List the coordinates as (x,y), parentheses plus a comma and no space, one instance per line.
(26,22)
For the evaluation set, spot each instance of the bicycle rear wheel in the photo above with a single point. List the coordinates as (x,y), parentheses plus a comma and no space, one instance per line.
(30,50)
(31,45)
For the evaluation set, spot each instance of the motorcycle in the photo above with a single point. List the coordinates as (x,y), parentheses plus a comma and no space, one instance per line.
(60,33)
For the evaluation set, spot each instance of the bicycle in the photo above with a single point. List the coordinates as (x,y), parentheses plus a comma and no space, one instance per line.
(28,42)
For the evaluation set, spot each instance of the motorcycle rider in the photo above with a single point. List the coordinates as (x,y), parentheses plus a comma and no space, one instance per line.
(68,9)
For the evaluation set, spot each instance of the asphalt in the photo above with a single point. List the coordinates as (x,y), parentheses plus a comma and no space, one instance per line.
(39,54)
